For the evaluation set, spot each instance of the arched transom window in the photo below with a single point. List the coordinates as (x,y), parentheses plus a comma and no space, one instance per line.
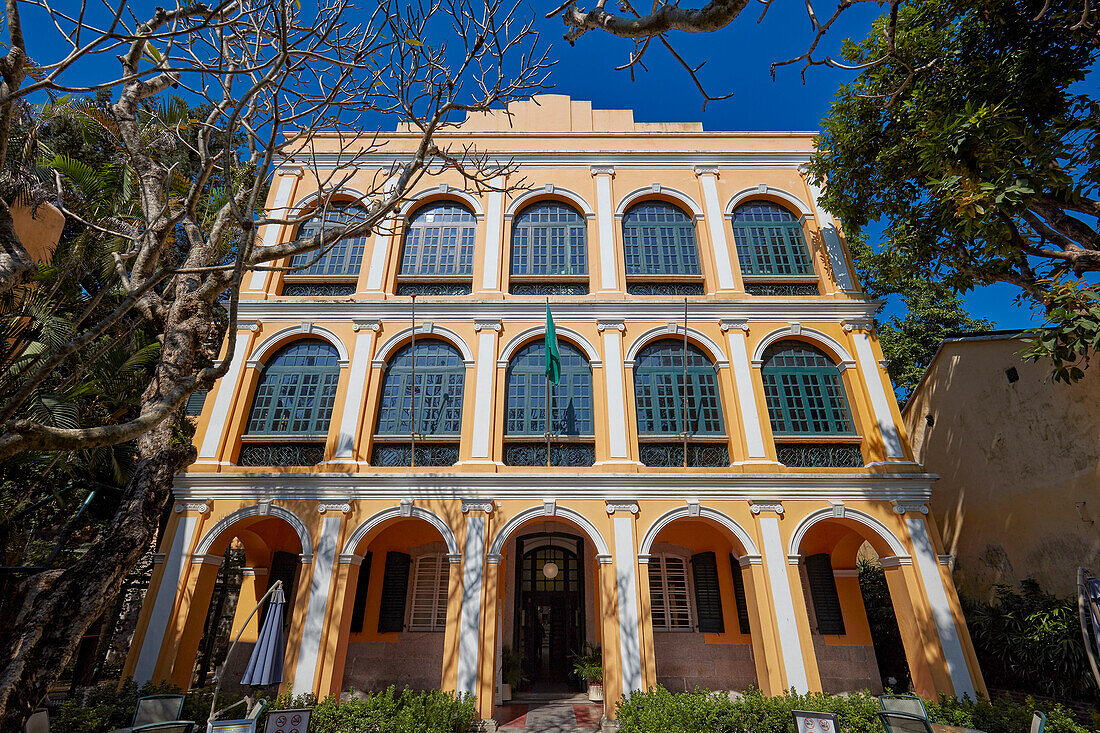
(332,271)
(439,246)
(435,395)
(664,402)
(771,248)
(549,251)
(297,390)
(659,244)
(804,391)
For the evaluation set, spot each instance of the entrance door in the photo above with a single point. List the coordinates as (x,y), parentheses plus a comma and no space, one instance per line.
(549,607)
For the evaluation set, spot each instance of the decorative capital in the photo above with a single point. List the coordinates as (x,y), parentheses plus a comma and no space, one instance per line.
(948,560)
(406,507)
(342,507)
(603,170)
(895,561)
(492,559)
(305,559)
(706,170)
(487,325)
(192,506)
(856,325)
(603,559)
(610,324)
(358,326)
(477,506)
(350,559)
(746,560)
(549,507)
(158,558)
(208,559)
(454,559)
(622,506)
(693,507)
(248,326)
(901,507)
(793,559)
(732,325)
(765,506)
(290,170)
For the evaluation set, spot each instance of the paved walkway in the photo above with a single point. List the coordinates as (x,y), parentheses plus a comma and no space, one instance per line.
(566,715)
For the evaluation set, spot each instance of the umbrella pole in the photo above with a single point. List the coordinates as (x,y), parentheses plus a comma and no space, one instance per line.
(229,654)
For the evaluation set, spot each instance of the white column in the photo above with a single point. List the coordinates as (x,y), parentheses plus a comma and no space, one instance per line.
(226,389)
(469,627)
(627,586)
(320,583)
(605,219)
(708,177)
(357,386)
(380,252)
(832,243)
(289,177)
(175,563)
(929,571)
(790,642)
(484,370)
(880,403)
(494,223)
(614,376)
(746,395)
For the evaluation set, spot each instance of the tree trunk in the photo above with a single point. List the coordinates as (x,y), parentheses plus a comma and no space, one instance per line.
(60,605)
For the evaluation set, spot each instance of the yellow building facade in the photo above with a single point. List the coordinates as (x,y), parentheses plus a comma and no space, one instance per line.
(708,487)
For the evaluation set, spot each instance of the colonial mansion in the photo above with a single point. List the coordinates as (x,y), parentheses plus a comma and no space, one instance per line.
(723,442)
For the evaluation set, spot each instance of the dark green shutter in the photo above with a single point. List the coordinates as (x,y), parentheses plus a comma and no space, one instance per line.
(195,402)
(739,594)
(359,607)
(395,587)
(708,597)
(284,567)
(819,573)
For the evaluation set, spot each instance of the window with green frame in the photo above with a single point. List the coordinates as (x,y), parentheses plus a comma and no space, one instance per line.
(661,398)
(296,391)
(440,376)
(439,242)
(549,239)
(342,259)
(769,241)
(658,241)
(571,398)
(804,391)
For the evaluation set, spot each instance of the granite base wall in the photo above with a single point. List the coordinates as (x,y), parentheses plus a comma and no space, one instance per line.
(847,668)
(414,660)
(685,661)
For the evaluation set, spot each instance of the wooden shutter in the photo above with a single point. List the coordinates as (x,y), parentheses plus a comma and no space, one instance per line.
(819,573)
(708,596)
(739,594)
(195,402)
(429,596)
(395,586)
(359,607)
(284,567)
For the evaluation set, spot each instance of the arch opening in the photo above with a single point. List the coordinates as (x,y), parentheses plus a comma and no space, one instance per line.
(549,250)
(437,250)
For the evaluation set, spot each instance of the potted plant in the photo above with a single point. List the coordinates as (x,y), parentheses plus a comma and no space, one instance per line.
(588,665)
(511,672)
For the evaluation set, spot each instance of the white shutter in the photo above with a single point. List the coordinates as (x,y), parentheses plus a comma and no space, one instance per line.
(669,593)
(429,594)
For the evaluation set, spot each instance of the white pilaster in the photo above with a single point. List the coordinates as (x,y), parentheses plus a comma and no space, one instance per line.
(484,370)
(872,377)
(380,252)
(790,642)
(832,243)
(605,219)
(226,389)
(494,224)
(614,377)
(357,384)
(469,628)
(320,583)
(708,177)
(928,568)
(627,586)
(175,563)
(746,397)
(273,231)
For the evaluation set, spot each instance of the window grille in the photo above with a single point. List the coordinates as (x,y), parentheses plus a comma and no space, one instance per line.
(342,259)
(297,390)
(548,240)
(669,594)
(429,593)
(658,386)
(440,374)
(659,240)
(439,242)
(769,241)
(804,391)
(571,398)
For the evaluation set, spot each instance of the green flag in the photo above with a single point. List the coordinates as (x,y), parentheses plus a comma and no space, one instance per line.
(553,356)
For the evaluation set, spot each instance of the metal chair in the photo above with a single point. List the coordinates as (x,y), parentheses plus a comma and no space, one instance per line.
(157,709)
(903,704)
(1038,722)
(166,726)
(898,722)
(39,722)
(247,724)
(812,722)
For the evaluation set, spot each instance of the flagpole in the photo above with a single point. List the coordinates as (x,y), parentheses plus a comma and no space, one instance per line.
(683,385)
(548,403)
(412,421)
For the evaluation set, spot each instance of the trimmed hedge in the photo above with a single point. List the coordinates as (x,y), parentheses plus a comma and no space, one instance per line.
(660,711)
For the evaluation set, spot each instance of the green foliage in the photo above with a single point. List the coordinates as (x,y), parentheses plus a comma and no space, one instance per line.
(1030,640)
(658,710)
(511,667)
(1071,331)
(969,142)
(885,635)
(588,665)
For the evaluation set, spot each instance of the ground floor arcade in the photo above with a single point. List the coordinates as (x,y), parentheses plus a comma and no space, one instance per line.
(442,592)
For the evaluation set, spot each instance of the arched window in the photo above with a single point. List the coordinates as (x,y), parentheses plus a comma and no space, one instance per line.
(660,251)
(667,408)
(297,390)
(333,271)
(549,251)
(438,256)
(770,247)
(804,391)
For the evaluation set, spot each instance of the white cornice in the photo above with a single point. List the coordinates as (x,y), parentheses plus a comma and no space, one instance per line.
(579,158)
(468,487)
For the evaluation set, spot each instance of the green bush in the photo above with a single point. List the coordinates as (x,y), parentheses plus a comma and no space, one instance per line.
(659,710)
